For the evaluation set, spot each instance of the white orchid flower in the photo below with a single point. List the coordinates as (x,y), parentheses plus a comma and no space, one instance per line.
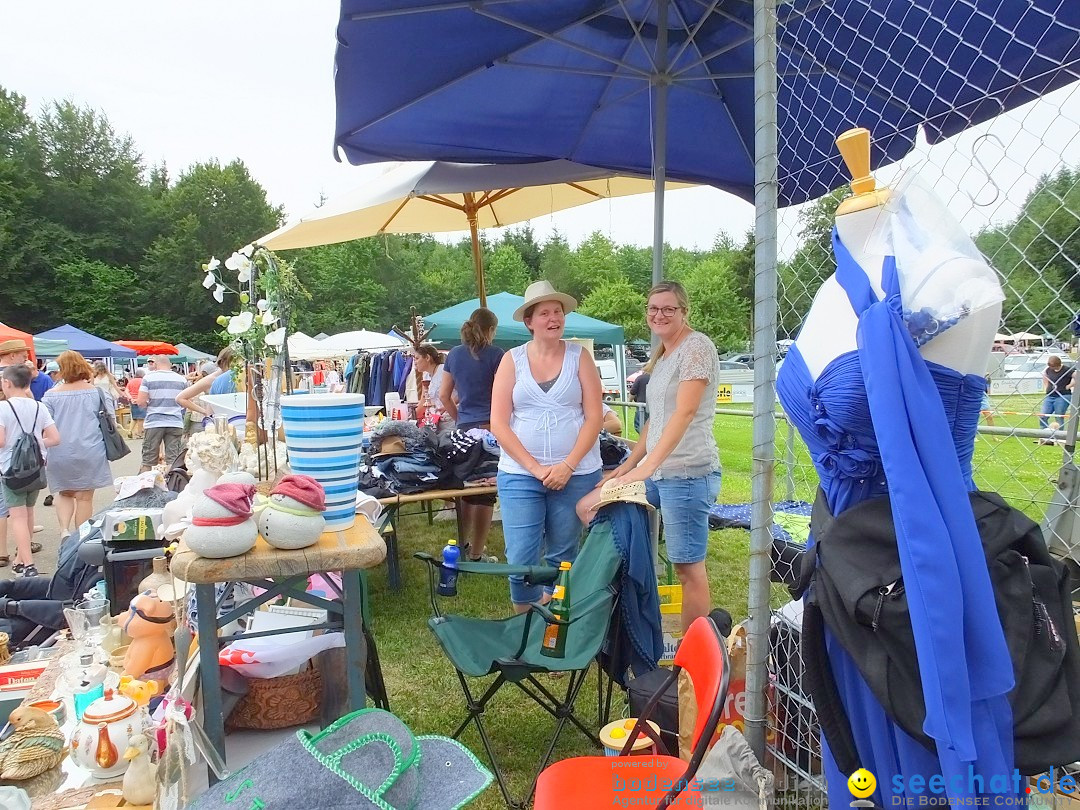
(268,318)
(247,250)
(212,265)
(238,324)
(219,294)
(262,305)
(209,281)
(243,275)
(242,265)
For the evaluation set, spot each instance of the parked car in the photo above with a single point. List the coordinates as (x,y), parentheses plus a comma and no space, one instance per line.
(609,377)
(733,365)
(1033,366)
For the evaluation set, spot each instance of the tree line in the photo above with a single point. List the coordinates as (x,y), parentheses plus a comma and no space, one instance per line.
(92,236)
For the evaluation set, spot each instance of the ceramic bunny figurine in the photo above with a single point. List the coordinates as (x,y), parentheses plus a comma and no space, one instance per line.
(150,624)
(222,523)
(292,517)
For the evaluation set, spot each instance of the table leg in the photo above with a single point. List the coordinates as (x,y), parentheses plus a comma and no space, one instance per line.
(209,675)
(352,608)
(462,540)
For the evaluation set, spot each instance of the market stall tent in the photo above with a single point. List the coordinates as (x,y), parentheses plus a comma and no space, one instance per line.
(193,355)
(89,346)
(347,343)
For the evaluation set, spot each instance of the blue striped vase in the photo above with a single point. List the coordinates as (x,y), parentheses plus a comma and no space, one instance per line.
(323,433)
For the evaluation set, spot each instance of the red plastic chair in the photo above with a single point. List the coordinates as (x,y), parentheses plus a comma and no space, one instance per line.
(594,782)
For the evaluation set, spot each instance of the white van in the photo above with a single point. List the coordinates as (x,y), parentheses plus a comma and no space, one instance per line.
(609,377)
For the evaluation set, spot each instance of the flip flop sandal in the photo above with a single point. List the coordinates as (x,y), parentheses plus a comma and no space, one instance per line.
(5,560)
(35,547)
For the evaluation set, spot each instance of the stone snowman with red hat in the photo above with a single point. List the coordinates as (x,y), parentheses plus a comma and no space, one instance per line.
(222,521)
(292,517)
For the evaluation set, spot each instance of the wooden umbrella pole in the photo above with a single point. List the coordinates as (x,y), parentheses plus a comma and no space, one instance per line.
(478,258)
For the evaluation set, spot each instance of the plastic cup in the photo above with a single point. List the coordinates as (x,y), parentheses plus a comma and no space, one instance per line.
(323,433)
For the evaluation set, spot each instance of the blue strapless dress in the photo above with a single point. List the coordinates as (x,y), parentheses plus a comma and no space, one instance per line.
(920,454)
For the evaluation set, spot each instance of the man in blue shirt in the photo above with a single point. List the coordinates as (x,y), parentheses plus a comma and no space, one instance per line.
(41,381)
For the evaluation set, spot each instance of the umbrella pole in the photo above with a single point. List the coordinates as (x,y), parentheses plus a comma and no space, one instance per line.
(478,258)
(659,144)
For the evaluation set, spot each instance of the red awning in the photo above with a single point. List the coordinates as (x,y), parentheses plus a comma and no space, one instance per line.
(10,333)
(144,347)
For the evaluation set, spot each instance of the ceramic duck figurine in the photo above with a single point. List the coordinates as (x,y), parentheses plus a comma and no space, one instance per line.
(292,517)
(140,779)
(222,524)
(150,625)
(36,745)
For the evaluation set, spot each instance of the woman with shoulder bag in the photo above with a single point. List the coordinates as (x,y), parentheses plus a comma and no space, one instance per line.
(79,465)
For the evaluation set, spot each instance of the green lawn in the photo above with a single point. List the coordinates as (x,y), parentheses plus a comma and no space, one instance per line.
(424,691)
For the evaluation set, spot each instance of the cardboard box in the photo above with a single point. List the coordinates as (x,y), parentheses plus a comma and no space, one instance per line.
(128,525)
(20,677)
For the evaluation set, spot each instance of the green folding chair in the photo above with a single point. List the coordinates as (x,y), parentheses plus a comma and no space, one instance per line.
(511,646)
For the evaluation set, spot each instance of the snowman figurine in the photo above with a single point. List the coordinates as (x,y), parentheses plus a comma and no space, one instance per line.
(292,517)
(222,523)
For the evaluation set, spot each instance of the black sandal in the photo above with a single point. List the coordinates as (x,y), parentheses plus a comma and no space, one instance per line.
(5,560)
(34,547)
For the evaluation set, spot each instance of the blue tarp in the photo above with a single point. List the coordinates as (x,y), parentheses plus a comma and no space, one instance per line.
(86,344)
(514,82)
(447,323)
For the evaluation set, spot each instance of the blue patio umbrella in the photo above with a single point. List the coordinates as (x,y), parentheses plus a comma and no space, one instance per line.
(600,82)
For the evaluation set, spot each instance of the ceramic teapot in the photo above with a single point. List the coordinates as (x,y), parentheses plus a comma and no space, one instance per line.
(101,737)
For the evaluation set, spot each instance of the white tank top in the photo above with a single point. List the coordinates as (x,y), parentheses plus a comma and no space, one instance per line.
(548,422)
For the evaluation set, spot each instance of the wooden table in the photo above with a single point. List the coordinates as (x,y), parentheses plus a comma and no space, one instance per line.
(283,573)
(392,508)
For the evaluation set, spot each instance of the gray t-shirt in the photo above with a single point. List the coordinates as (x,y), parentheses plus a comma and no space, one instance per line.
(34,417)
(693,359)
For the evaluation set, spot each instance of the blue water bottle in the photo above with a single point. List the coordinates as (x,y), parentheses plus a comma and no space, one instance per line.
(448,571)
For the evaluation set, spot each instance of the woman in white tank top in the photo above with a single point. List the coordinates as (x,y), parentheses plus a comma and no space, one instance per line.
(546,413)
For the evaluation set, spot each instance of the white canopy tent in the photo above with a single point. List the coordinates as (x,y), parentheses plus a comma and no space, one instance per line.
(348,343)
(301,346)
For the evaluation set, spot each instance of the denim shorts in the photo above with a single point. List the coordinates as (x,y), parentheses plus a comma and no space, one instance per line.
(538,521)
(13,499)
(684,508)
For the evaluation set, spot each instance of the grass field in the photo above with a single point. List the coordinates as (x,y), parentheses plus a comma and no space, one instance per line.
(424,691)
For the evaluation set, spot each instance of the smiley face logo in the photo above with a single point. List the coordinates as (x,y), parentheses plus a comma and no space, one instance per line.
(861,783)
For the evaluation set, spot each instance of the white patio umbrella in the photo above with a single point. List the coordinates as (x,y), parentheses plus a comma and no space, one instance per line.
(301,346)
(434,197)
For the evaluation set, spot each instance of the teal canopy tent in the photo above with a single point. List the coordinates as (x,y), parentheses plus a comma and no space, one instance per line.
(446,326)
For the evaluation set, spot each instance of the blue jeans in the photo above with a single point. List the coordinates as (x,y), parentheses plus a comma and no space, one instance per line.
(684,507)
(1053,405)
(539,520)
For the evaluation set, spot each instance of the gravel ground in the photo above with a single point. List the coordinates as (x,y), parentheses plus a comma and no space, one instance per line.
(46,515)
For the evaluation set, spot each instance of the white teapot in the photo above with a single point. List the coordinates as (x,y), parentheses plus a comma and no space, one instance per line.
(101,737)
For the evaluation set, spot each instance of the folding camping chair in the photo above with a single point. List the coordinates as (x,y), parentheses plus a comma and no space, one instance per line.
(587,783)
(511,646)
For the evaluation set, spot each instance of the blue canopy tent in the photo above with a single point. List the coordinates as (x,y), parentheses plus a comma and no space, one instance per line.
(446,327)
(89,346)
(600,82)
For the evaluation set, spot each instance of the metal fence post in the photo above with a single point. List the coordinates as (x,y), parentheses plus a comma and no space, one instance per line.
(765,202)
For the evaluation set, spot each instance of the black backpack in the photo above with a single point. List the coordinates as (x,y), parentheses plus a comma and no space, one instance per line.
(26,472)
(858,592)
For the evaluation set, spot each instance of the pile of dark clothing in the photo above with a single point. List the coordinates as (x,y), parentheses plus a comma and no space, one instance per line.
(613,451)
(404,458)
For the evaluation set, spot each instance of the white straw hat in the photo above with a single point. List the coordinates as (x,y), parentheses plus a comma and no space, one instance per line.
(543,291)
(634,492)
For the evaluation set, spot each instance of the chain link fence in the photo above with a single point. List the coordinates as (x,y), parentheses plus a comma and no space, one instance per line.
(1013,181)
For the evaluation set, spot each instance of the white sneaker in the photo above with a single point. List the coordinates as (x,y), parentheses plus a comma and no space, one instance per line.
(38,529)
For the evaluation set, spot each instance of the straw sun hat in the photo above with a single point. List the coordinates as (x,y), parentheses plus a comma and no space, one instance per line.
(543,291)
(633,492)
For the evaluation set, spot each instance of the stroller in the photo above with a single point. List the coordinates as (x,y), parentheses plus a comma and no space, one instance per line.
(32,608)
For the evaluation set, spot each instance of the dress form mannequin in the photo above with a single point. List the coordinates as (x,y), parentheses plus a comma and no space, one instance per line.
(830,326)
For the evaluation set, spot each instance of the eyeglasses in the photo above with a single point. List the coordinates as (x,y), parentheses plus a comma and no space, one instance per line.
(667,312)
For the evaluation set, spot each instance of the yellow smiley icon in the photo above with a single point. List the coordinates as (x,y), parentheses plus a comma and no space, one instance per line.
(861,783)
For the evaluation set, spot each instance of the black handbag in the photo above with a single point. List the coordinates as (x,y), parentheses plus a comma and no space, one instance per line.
(115,446)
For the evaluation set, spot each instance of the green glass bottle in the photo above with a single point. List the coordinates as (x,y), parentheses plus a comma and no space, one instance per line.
(554,643)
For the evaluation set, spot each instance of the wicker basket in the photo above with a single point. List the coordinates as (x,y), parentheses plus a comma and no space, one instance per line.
(5,652)
(289,700)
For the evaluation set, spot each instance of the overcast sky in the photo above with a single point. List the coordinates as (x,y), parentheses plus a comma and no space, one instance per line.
(253,79)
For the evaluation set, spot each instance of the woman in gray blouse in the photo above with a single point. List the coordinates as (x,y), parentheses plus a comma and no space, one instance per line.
(78,465)
(676,455)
